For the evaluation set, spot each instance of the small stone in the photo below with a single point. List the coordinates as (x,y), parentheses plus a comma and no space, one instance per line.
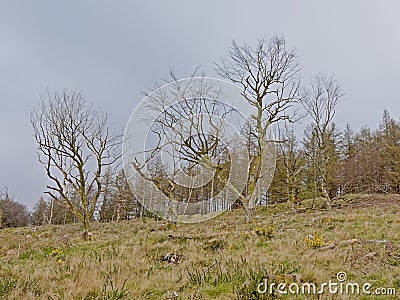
(172,258)
(66,239)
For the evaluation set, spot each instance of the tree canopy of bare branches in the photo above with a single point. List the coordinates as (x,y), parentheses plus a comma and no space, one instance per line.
(12,213)
(268,75)
(74,145)
(190,142)
(320,101)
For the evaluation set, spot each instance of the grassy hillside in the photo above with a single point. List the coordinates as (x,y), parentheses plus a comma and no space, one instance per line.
(223,258)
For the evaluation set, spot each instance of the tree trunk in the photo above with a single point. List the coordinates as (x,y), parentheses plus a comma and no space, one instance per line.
(249,214)
(328,200)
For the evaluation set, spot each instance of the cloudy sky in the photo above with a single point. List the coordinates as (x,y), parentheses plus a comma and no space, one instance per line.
(113,50)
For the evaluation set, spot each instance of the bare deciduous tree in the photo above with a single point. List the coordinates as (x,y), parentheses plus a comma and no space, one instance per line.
(74,145)
(40,214)
(269,77)
(320,101)
(187,137)
(14,214)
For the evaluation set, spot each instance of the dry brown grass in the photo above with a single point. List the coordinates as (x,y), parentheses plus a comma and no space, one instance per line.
(223,258)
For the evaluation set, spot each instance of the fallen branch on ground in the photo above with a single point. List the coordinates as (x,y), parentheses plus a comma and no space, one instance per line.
(388,244)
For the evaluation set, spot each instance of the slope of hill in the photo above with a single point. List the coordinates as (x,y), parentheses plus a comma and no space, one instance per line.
(223,258)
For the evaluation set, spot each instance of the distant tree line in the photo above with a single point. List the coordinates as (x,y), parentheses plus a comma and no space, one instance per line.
(363,161)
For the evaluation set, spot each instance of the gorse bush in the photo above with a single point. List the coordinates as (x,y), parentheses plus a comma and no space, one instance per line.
(315,241)
(264,231)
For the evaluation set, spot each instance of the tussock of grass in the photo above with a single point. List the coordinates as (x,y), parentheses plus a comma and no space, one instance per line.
(222,258)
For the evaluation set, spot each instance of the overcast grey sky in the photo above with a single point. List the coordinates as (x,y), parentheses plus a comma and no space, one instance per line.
(113,50)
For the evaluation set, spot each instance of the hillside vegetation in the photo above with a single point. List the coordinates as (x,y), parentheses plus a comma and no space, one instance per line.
(223,258)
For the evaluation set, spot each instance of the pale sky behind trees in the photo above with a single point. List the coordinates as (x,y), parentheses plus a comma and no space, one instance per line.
(114,50)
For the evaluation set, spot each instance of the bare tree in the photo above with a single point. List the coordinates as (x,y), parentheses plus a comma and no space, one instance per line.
(40,214)
(269,77)
(188,137)
(320,101)
(74,145)
(14,214)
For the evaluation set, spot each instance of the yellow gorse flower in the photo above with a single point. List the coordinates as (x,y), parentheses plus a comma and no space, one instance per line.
(56,252)
(265,231)
(315,241)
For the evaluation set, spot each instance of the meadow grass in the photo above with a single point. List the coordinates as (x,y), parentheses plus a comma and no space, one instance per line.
(222,258)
